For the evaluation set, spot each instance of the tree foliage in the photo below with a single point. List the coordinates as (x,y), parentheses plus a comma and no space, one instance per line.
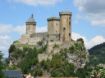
(1,65)
(97,54)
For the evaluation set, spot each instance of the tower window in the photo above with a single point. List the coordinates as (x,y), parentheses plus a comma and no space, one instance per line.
(69,23)
(64,28)
(59,36)
(69,34)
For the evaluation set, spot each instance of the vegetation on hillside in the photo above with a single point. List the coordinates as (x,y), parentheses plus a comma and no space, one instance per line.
(59,66)
(26,60)
(95,68)
(1,65)
(97,54)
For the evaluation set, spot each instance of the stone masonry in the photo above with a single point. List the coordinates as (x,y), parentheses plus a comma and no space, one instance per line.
(59,30)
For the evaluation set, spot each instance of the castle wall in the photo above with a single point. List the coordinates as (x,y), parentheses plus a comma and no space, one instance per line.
(24,39)
(36,37)
(53,37)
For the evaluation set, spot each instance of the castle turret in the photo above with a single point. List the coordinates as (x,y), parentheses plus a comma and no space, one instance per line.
(65,26)
(30,25)
(53,25)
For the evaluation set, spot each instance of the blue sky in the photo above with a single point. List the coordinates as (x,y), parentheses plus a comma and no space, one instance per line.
(88,21)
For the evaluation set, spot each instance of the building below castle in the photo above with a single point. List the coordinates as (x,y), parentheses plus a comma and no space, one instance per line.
(59,30)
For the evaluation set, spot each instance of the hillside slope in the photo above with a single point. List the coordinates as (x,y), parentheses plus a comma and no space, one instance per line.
(97,54)
(63,63)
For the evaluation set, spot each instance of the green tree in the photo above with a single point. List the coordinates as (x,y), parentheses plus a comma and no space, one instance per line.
(98,72)
(1,65)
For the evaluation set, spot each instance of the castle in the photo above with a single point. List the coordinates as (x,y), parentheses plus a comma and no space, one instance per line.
(58,34)
(59,31)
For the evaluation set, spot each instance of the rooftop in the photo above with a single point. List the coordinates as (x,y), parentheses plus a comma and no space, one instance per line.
(13,74)
(31,19)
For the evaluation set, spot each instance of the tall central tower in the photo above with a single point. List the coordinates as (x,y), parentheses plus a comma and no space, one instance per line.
(65,26)
(30,25)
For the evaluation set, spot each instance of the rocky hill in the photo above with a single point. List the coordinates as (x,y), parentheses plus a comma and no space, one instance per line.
(62,64)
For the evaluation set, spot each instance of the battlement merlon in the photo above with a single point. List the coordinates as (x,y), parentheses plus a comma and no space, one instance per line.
(65,13)
(53,18)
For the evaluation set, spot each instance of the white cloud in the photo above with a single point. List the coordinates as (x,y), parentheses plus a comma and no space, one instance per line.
(6,37)
(95,41)
(37,2)
(7,28)
(76,36)
(41,29)
(5,42)
(92,10)
(98,22)
(89,43)
(20,29)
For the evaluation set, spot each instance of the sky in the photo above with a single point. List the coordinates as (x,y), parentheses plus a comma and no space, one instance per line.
(88,19)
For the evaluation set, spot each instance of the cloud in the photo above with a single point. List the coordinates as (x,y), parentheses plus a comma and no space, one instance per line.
(41,29)
(92,10)
(5,42)
(6,36)
(89,43)
(8,28)
(76,36)
(90,6)
(37,2)
(95,41)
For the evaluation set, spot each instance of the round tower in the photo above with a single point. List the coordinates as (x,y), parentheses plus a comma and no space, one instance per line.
(53,25)
(30,25)
(65,26)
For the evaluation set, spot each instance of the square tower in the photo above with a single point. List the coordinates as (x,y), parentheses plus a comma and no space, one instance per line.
(53,25)
(30,25)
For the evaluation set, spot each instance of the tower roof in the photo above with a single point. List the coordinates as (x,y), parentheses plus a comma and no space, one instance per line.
(31,19)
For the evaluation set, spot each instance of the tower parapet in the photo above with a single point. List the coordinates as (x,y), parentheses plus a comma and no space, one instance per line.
(65,26)
(30,25)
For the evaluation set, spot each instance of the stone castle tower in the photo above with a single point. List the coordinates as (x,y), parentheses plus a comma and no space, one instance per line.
(30,25)
(53,25)
(65,26)
(61,26)
(59,30)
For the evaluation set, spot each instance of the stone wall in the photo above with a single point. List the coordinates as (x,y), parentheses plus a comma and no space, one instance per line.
(24,39)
